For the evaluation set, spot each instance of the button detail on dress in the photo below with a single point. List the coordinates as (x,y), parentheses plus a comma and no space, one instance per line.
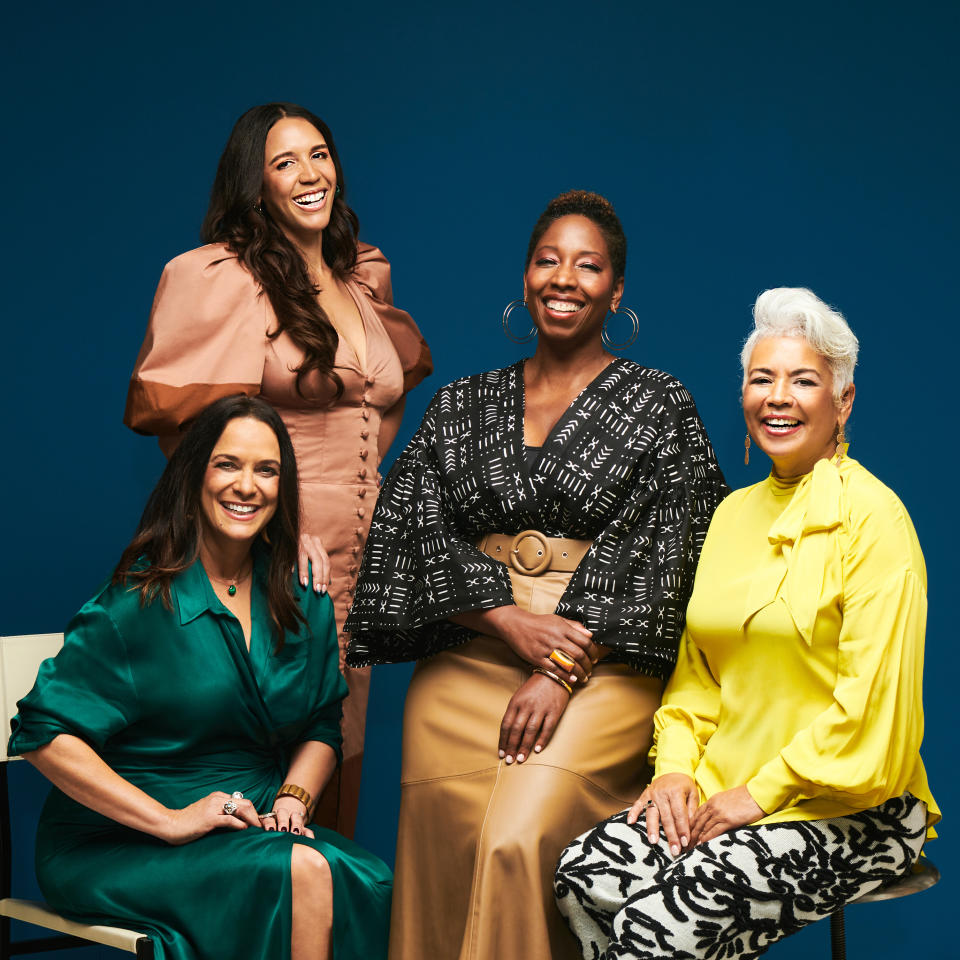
(361,491)
(363,454)
(365,414)
(364,434)
(366,397)
(362,473)
(360,512)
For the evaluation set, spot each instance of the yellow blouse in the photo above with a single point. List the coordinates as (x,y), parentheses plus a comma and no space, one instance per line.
(800,670)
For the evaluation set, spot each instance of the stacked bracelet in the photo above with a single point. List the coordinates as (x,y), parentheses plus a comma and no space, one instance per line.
(555,677)
(298,793)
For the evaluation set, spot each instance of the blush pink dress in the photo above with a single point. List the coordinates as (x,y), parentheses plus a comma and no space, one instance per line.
(208,337)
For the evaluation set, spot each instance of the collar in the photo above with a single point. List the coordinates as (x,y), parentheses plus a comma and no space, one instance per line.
(194,595)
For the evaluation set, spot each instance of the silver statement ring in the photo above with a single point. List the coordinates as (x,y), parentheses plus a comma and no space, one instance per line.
(230,807)
(272,815)
(236,795)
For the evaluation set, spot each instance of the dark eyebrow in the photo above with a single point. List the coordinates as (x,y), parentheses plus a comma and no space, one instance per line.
(582,253)
(290,153)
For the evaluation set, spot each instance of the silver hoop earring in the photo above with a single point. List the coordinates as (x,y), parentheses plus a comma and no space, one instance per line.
(608,342)
(506,324)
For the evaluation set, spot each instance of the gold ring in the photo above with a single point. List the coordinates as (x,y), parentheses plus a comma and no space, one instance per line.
(562,660)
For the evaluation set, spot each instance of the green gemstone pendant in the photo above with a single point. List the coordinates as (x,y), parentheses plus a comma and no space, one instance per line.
(232,589)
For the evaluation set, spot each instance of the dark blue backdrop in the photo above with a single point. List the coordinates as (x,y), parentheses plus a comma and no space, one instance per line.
(745,146)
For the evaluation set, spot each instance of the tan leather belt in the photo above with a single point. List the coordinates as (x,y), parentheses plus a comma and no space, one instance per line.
(532,553)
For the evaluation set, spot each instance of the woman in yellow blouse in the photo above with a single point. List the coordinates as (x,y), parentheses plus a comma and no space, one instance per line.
(788,777)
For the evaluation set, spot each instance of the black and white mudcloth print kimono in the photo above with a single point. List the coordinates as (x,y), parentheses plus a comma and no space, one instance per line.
(628,466)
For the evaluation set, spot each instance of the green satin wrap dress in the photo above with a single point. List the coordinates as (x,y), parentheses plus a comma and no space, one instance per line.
(172,700)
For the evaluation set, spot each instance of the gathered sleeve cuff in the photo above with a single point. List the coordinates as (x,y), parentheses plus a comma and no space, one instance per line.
(86,690)
(418,567)
(864,748)
(372,272)
(632,588)
(206,339)
(688,716)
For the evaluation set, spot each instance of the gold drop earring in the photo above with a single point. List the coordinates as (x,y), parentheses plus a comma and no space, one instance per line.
(841,442)
(746,450)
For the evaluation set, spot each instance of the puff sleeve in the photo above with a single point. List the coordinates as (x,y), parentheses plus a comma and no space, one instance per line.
(206,339)
(372,272)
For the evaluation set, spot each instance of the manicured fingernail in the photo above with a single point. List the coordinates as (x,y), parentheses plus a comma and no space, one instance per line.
(323,588)
(509,760)
(675,850)
(520,758)
(573,678)
(683,840)
(502,754)
(537,748)
(303,581)
(652,837)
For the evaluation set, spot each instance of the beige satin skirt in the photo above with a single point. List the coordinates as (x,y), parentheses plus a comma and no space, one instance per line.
(478,840)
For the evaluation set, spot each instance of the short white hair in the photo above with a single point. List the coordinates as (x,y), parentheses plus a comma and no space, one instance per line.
(799,312)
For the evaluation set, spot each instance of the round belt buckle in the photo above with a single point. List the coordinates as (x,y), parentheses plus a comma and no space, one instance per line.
(530,553)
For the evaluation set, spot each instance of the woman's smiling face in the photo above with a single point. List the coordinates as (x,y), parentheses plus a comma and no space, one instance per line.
(789,406)
(242,482)
(299,178)
(569,284)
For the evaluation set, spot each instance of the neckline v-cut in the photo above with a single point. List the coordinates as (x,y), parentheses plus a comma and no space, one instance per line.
(566,410)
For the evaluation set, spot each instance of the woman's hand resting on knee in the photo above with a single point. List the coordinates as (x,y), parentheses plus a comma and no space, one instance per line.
(673,803)
(669,801)
(206,814)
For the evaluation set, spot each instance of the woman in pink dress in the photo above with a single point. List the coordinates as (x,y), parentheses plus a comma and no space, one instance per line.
(284,303)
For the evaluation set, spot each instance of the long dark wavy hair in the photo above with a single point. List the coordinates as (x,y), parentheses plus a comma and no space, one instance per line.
(235,218)
(171,528)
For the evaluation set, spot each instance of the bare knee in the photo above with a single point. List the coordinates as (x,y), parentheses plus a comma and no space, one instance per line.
(310,873)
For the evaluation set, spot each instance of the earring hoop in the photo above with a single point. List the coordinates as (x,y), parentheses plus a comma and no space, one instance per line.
(506,323)
(608,342)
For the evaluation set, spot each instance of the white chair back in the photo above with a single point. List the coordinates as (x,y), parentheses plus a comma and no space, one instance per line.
(20,659)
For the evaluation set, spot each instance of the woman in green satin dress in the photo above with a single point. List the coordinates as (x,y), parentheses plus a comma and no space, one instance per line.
(203,671)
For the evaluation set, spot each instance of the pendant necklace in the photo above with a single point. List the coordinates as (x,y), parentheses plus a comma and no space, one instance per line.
(231,584)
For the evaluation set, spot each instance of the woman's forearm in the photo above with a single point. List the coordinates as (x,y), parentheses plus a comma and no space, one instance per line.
(493,623)
(74,767)
(311,766)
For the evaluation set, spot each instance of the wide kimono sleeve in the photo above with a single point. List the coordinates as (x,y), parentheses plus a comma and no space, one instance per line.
(864,748)
(206,339)
(86,690)
(420,565)
(372,272)
(632,588)
(325,685)
(688,715)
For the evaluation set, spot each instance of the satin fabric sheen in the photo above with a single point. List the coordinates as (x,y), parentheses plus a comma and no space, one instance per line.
(173,701)
(208,338)
(479,840)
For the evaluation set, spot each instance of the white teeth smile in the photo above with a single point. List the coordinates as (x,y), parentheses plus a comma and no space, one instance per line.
(241,509)
(563,306)
(780,423)
(309,198)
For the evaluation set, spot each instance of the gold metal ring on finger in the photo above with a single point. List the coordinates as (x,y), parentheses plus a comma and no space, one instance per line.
(562,659)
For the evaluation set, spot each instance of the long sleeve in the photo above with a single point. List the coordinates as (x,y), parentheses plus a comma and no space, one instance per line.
(864,747)
(419,565)
(688,716)
(206,339)
(632,588)
(87,690)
